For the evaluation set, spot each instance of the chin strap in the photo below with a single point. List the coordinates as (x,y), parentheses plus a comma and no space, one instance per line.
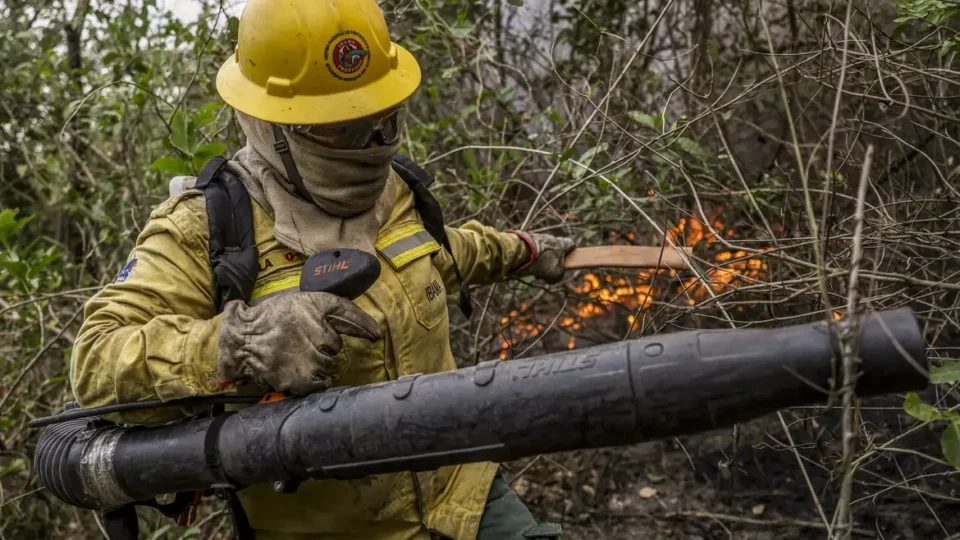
(282,147)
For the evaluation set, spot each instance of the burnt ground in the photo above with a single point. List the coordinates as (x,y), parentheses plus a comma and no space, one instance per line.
(682,488)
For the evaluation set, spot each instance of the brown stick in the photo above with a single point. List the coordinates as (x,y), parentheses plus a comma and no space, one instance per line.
(626,257)
(761,522)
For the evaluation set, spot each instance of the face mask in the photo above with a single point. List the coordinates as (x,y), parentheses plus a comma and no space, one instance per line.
(342,183)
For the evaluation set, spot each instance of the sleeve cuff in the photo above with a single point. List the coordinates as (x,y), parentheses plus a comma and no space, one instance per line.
(530,245)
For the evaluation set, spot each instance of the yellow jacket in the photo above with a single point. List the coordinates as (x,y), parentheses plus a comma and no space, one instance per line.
(154,332)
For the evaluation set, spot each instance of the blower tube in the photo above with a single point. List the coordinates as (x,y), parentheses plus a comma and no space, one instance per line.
(607,395)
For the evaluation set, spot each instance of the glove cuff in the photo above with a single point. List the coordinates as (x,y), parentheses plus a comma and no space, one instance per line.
(530,244)
(231,343)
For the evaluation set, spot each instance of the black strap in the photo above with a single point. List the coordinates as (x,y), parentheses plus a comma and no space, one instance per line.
(122,523)
(235,261)
(418,180)
(222,486)
(233,251)
(408,167)
(282,146)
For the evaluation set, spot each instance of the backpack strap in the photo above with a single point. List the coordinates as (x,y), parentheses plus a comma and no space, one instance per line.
(233,252)
(235,261)
(419,180)
(224,488)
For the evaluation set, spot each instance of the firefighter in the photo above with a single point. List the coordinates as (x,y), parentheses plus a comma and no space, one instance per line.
(319,91)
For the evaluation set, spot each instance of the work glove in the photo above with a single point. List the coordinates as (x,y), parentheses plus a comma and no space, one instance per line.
(547,254)
(289,341)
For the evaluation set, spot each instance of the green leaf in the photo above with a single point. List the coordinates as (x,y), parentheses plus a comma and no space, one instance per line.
(461,30)
(15,466)
(55,380)
(587,157)
(691,147)
(591,153)
(158,534)
(948,373)
(655,122)
(207,114)
(171,165)
(233,29)
(902,25)
(10,225)
(557,119)
(920,410)
(944,48)
(205,152)
(950,444)
(180,133)
(471,160)
(515,3)
(655,478)
(713,50)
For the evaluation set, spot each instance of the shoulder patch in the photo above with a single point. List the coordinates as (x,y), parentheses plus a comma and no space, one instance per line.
(127,270)
(406,243)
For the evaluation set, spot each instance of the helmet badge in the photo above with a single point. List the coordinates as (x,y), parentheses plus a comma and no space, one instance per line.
(347,56)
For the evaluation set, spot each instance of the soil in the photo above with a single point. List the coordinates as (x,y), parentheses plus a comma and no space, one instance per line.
(685,489)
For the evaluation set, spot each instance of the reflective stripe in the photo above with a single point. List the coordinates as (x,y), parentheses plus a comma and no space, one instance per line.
(272,287)
(405,244)
(407,249)
(275,261)
(400,232)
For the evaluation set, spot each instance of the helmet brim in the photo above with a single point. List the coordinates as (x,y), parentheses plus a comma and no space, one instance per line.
(369,99)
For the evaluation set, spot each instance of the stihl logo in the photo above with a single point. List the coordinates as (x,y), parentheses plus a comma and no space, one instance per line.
(335,267)
(552,366)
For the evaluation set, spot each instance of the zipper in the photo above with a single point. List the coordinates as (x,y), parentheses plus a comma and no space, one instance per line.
(434,534)
(416,487)
(419,493)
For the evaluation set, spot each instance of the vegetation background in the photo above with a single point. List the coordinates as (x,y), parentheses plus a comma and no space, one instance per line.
(789,143)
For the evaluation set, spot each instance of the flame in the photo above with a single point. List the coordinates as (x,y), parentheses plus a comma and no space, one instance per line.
(601,295)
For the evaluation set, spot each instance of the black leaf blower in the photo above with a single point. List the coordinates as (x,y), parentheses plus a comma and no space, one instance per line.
(608,395)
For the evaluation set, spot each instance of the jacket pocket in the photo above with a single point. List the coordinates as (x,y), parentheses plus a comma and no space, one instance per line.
(408,249)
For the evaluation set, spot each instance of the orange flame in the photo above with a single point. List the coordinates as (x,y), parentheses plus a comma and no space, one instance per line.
(600,294)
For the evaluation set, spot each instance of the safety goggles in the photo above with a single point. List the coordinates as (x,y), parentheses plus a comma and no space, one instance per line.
(356,134)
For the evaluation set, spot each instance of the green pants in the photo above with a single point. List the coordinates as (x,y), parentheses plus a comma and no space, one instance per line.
(505,517)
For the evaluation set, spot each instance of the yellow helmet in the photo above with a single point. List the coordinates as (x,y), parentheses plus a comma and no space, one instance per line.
(315,62)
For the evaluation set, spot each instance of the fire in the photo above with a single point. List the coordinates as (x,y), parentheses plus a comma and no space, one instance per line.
(601,295)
